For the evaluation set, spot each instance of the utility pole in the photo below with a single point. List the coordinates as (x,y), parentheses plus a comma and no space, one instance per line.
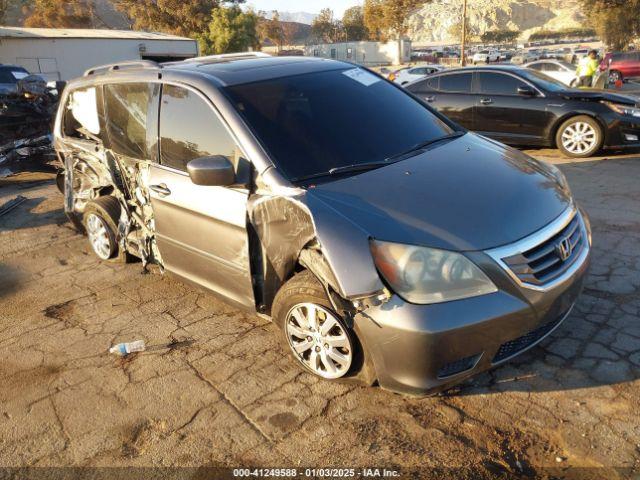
(463,57)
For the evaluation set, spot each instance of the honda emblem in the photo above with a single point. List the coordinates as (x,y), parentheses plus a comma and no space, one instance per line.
(564,249)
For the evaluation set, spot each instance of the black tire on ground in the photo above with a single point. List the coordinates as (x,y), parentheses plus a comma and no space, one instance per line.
(304,287)
(107,208)
(580,119)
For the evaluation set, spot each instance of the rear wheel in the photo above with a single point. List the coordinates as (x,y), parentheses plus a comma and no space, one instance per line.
(100,219)
(579,137)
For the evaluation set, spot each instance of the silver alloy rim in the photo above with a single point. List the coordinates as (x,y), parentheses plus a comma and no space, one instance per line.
(318,340)
(98,236)
(579,138)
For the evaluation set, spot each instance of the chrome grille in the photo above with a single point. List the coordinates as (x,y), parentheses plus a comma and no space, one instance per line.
(548,260)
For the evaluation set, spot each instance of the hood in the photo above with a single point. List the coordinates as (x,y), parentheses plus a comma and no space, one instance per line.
(598,96)
(467,194)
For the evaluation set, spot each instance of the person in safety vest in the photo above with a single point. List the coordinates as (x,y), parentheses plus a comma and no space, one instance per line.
(587,68)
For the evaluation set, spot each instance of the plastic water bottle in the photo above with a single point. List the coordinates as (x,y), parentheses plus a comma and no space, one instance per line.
(127,348)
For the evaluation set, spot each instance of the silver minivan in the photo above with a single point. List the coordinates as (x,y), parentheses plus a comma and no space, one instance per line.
(389,244)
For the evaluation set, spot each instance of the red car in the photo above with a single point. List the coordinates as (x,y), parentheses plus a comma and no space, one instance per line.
(621,65)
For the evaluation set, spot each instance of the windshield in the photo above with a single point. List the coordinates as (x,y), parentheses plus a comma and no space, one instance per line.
(317,122)
(543,81)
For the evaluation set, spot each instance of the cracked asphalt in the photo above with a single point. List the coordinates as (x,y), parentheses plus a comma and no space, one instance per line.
(215,388)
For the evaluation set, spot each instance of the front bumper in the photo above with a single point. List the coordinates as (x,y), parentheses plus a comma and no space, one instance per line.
(623,131)
(421,349)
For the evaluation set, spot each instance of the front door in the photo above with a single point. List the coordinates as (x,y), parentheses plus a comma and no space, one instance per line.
(200,230)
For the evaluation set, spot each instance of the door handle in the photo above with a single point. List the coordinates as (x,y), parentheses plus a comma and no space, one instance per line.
(430,98)
(161,189)
(486,101)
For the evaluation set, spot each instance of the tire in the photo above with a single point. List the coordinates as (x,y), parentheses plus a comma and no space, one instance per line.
(615,75)
(292,299)
(579,137)
(100,220)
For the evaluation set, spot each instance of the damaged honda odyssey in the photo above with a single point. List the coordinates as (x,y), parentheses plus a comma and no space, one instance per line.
(387,243)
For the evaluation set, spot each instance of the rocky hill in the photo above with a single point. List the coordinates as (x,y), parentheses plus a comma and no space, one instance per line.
(435,21)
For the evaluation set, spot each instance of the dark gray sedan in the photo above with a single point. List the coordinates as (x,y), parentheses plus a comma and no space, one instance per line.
(386,242)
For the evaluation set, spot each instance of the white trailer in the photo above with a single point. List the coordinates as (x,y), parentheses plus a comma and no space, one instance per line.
(62,54)
(363,53)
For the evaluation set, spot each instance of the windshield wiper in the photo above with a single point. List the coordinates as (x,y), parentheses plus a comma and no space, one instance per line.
(356,167)
(422,145)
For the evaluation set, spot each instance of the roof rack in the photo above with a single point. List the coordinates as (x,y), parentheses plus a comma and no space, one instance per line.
(102,69)
(220,57)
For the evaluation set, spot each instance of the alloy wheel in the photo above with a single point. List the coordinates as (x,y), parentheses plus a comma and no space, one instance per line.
(319,340)
(99,236)
(579,138)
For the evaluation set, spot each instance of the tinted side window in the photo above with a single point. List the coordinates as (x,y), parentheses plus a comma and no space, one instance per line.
(190,129)
(458,82)
(537,66)
(82,115)
(499,84)
(127,109)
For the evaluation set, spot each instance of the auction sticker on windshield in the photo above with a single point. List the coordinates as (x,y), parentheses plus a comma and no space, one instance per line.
(362,76)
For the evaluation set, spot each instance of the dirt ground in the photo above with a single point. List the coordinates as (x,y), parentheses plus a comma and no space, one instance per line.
(216,389)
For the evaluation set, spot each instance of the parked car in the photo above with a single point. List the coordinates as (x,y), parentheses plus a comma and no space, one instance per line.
(10,75)
(358,253)
(621,65)
(486,56)
(408,75)
(558,69)
(524,56)
(521,106)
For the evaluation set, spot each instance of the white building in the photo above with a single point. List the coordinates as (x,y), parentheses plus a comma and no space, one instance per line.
(62,54)
(363,53)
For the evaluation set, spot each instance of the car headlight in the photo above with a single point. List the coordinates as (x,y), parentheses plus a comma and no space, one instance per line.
(623,109)
(428,275)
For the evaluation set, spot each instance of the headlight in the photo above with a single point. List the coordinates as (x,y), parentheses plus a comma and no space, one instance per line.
(428,275)
(623,109)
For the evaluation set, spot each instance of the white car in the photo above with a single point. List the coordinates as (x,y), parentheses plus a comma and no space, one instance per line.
(558,69)
(408,75)
(486,56)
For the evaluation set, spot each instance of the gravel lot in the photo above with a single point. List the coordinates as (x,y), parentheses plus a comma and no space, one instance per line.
(216,389)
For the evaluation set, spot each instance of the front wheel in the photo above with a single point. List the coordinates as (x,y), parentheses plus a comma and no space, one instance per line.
(579,137)
(317,337)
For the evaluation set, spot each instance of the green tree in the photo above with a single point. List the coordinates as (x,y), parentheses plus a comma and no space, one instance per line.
(353,23)
(324,26)
(387,19)
(230,30)
(59,13)
(617,22)
(272,29)
(188,18)
(4,6)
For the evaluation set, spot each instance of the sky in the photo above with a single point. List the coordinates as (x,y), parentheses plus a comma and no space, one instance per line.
(310,6)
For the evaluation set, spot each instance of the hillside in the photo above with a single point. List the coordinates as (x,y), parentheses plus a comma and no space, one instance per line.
(433,22)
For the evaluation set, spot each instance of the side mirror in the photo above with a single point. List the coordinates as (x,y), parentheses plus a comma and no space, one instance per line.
(526,91)
(215,171)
